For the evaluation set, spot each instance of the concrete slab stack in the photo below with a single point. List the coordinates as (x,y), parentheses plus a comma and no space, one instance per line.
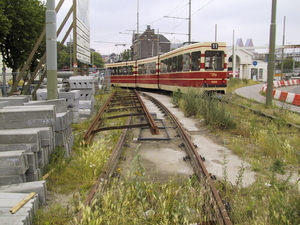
(38,187)
(24,215)
(13,165)
(72,100)
(36,142)
(12,101)
(86,86)
(63,130)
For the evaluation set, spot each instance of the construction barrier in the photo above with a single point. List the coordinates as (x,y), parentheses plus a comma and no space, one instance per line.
(283,96)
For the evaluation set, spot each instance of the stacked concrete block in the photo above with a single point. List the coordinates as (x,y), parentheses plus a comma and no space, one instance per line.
(38,187)
(13,100)
(63,131)
(13,165)
(30,129)
(86,86)
(29,141)
(25,117)
(72,101)
(22,216)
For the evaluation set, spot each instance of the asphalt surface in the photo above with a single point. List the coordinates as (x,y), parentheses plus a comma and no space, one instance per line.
(253,92)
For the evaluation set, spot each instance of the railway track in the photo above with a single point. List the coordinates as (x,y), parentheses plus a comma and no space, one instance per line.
(152,132)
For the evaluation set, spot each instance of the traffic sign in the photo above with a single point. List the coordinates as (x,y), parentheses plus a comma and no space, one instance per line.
(254,63)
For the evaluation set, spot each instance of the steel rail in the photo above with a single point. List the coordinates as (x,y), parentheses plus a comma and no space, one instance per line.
(121,98)
(199,167)
(88,136)
(103,179)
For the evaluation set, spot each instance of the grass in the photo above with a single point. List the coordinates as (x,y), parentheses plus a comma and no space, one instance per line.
(271,148)
(136,199)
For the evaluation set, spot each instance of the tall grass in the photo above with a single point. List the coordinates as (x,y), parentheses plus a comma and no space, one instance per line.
(196,103)
(271,148)
(136,199)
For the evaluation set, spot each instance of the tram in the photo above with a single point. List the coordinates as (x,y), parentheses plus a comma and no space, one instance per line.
(200,65)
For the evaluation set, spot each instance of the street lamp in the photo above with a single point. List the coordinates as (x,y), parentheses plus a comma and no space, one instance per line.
(152,46)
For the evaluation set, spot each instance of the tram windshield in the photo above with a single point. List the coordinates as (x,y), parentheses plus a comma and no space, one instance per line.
(214,60)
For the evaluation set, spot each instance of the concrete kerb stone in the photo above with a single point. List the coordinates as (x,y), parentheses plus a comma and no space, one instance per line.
(4,103)
(61,105)
(39,187)
(9,200)
(24,137)
(13,101)
(22,216)
(25,117)
(13,163)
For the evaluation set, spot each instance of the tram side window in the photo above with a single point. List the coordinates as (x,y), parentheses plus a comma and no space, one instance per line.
(179,62)
(120,70)
(169,65)
(114,71)
(174,64)
(124,72)
(152,68)
(163,66)
(129,70)
(141,69)
(186,62)
(196,60)
(214,60)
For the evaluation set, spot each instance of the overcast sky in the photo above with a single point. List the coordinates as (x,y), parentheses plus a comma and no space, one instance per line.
(112,22)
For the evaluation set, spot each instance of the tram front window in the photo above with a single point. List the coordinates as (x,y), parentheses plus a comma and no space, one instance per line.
(214,60)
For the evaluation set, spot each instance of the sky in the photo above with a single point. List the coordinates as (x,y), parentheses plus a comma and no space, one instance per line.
(112,22)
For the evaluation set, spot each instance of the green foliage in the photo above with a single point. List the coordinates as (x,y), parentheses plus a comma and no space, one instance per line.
(190,102)
(235,83)
(288,64)
(63,59)
(278,166)
(137,201)
(57,215)
(176,97)
(215,114)
(97,60)
(126,55)
(24,22)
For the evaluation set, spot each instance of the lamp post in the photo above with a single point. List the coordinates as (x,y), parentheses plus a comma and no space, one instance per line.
(151,46)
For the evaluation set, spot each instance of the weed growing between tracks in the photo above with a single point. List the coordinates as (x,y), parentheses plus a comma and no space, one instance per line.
(137,199)
(271,147)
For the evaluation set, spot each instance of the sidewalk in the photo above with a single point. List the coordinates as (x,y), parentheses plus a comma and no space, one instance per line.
(253,92)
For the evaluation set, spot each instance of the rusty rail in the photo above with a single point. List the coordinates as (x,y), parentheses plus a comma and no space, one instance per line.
(198,165)
(121,101)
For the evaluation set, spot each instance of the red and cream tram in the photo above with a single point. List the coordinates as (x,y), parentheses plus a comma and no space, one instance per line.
(200,65)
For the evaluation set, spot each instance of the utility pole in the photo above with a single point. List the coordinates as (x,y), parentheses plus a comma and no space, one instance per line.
(282,50)
(233,56)
(137,34)
(190,21)
(271,63)
(51,50)
(75,64)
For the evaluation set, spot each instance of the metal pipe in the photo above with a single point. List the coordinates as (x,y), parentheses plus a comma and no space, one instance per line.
(51,51)
(271,62)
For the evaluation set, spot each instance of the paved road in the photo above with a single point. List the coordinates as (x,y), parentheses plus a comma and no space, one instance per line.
(253,92)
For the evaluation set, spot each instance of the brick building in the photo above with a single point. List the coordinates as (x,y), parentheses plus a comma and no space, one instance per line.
(149,44)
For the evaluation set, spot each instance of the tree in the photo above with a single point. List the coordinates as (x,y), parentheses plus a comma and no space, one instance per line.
(63,59)
(97,59)
(24,21)
(126,56)
(288,64)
